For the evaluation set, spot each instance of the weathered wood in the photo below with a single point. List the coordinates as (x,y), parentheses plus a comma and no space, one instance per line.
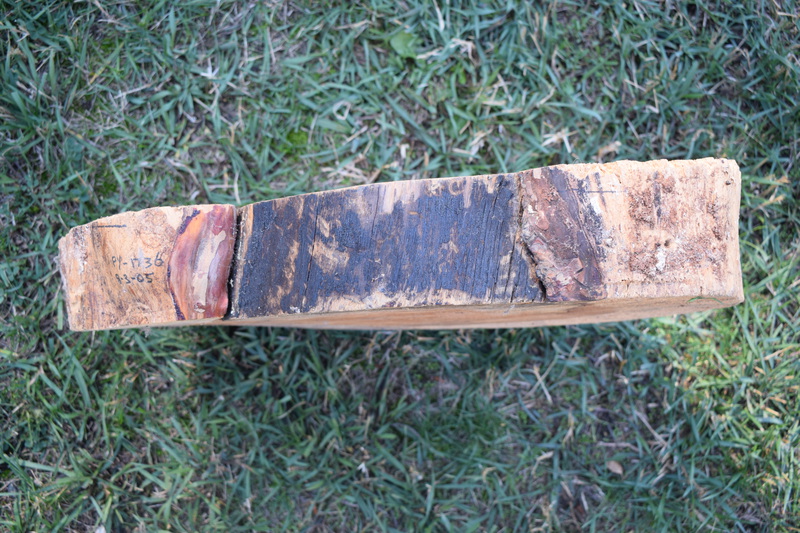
(558,245)
(391,245)
(157,267)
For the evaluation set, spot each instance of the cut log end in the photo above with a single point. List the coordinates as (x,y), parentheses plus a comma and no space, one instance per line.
(157,267)
(557,245)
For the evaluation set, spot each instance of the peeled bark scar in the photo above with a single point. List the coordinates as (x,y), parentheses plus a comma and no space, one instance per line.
(565,244)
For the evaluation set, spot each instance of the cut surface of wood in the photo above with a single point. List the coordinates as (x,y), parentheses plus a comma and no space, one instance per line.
(557,245)
(157,267)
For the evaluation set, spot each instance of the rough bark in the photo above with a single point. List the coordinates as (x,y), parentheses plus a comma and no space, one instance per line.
(556,245)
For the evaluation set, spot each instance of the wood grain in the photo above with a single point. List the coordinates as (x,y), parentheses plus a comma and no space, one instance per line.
(157,267)
(558,245)
(404,244)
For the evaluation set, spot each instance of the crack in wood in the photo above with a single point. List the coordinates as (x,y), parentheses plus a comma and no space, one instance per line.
(522,243)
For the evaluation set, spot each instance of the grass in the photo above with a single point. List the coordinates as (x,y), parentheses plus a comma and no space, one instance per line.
(688,423)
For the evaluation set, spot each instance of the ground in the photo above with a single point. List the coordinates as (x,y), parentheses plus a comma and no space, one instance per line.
(688,423)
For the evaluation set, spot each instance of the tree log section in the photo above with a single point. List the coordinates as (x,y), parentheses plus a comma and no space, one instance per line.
(558,245)
(157,267)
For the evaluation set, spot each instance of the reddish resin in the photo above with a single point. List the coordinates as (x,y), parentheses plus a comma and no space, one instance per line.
(200,263)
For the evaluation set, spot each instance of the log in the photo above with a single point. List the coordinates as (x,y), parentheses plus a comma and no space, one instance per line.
(565,244)
(162,266)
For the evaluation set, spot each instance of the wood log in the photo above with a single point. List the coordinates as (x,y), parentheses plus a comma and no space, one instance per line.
(162,266)
(565,244)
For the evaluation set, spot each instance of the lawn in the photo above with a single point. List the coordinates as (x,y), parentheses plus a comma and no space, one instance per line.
(689,423)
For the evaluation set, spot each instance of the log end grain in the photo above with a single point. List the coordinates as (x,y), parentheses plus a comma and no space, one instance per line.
(162,266)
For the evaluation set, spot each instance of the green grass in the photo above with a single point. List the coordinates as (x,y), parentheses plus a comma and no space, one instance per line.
(112,106)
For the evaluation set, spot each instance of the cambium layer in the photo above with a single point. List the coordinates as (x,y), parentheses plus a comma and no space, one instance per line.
(565,244)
